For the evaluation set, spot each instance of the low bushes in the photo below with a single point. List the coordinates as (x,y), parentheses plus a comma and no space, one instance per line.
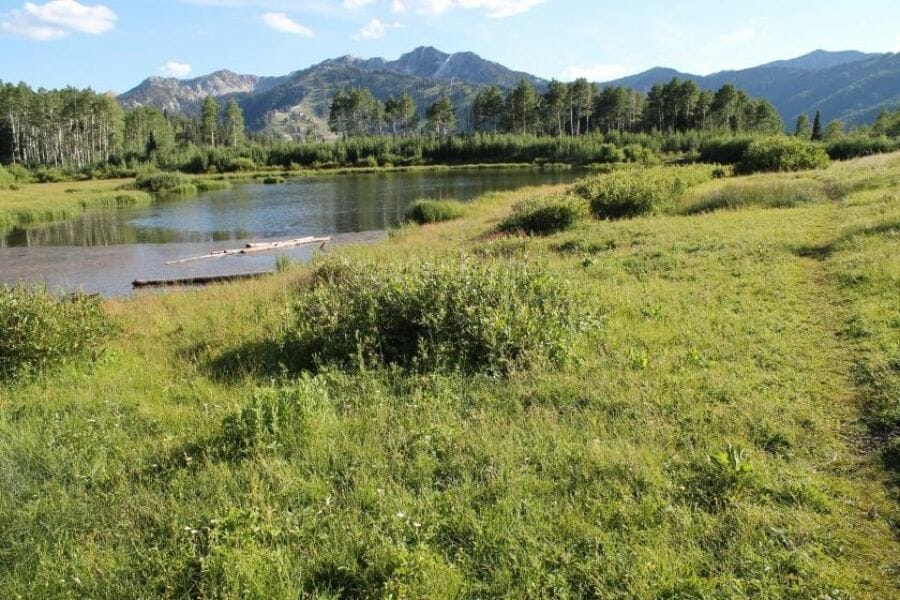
(449,315)
(782,153)
(164,184)
(725,150)
(545,215)
(273,180)
(6,179)
(768,194)
(634,192)
(40,331)
(434,211)
(857,146)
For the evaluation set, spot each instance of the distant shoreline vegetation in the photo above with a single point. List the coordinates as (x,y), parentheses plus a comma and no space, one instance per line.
(60,135)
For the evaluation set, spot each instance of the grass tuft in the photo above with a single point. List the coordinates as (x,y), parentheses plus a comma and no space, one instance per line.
(545,215)
(424,212)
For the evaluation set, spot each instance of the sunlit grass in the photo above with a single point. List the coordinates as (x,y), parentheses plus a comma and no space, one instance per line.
(704,439)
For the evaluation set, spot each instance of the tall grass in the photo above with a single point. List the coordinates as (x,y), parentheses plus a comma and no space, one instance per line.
(777,193)
(424,212)
(33,203)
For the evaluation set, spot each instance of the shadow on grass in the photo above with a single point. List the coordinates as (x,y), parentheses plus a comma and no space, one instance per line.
(261,360)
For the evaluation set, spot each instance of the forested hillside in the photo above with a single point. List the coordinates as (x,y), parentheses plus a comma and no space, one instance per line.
(851,86)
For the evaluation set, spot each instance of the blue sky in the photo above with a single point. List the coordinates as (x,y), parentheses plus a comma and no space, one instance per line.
(114,44)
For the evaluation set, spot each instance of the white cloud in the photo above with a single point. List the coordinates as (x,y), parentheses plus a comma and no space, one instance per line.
(495,9)
(281,22)
(599,73)
(357,3)
(375,30)
(897,47)
(175,69)
(56,19)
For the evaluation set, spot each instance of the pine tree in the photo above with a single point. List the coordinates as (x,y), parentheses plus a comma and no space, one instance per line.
(442,117)
(817,128)
(803,129)
(209,120)
(234,124)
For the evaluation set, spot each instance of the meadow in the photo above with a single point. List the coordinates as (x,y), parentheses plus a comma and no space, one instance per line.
(535,399)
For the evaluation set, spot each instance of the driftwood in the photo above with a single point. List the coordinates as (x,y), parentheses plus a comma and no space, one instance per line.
(144,283)
(252,248)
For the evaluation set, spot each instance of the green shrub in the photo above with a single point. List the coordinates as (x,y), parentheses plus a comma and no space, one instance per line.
(453,314)
(545,215)
(782,153)
(210,185)
(40,331)
(7,180)
(633,192)
(770,194)
(48,175)
(240,164)
(856,146)
(434,211)
(725,151)
(273,180)
(165,183)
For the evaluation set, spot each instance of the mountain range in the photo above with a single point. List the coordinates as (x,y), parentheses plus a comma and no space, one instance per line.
(852,86)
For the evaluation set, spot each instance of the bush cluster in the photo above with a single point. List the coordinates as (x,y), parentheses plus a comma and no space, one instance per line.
(855,146)
(462,314)
(434,211)
(725,150)
(633,192)
(41,331)
(163,184)
(545,215)
(782,153)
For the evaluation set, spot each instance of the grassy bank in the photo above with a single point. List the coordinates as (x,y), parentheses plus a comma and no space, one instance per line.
(715,429)
(46,202)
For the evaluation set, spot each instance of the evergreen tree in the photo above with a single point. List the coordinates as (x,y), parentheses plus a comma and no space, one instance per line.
(442,117)
(833,131)
(817,128)
(555,105)
(338,113)
(803,129)
(234,124)
(209,120)
(487,109)
(523,109)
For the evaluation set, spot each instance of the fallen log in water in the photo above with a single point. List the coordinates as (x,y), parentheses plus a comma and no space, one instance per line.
(252,248)
(145,283)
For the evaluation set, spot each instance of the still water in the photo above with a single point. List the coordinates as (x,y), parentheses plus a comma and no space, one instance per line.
(103,251)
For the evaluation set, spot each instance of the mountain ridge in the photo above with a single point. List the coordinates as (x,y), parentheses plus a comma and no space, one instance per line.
(845,84)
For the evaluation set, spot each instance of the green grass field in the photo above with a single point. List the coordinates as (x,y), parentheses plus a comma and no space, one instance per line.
(46,202)
(717,430)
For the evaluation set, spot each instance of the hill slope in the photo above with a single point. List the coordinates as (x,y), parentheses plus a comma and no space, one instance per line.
(848,85)
(844,85)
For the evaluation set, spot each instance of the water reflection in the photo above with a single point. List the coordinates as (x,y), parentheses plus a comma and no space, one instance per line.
(315,205)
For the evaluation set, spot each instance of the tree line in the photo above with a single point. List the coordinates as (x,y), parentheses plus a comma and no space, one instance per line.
(77,128)
(565,109)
